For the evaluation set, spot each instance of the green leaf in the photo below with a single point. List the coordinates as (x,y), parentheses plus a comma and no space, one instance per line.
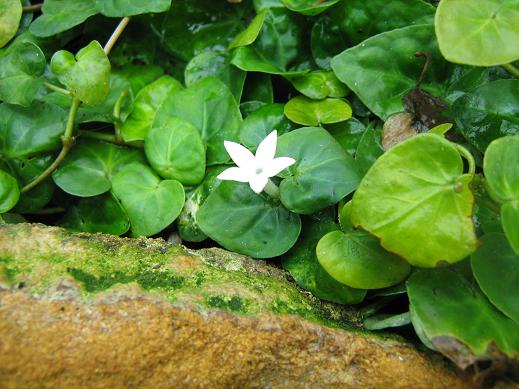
(301,262)
(319,84)
(489,112)
(322,175)
(348,134)
(210,106)
(10,16)
(187,223)
(364,68)
(309,7)
(9,191)
(258,87)
(89,168)
(478,34)
(25,131)
(175,150)
(216,64)
(21,67)
(249,35)
(510,220)
(62,15)
(308,112)
(152,204)
(368,149)
(356,259)
(97,214)
(120,8)
(417,192)
(277,49)
(496,268)
(147,102)
(247,223)
(87,76)
(455,318)
(261,122)
(384,321)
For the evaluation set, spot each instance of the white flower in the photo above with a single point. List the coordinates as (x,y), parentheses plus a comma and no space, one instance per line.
(256,170)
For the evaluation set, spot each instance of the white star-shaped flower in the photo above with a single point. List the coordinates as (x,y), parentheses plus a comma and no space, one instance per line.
(256,170)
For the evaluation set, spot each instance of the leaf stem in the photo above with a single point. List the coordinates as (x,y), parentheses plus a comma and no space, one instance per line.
(32,8)
(117,115)
(272,190)
(511,69)
(67,141)
(468,156)
(107,138)
(116,34)
(56,88)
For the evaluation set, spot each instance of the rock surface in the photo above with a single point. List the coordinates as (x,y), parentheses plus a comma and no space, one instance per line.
(80,310)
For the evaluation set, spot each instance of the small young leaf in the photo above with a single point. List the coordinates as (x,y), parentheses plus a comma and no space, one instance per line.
(319,84)
(9,192)
(10,15)
(249,35)
(87,76)
(120,8)
(152,204)
(308,112)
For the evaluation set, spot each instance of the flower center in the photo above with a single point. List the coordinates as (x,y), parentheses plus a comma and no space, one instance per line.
(259,170)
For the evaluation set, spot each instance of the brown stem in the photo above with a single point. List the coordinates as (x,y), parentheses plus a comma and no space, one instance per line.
(116,34)
(425,66)
(32,8)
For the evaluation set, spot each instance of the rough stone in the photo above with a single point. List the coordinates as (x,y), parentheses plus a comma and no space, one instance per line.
(79,310)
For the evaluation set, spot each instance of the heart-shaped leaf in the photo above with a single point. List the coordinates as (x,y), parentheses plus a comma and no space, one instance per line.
(489,112)
(319,84)
(87,76)
(97,214)
(450,314)
(417,192)
(302,264)
(496,268)
(175,150)
(478,34)
(357,260)
(62,15)
(380,87)
(309,7)
(26,131)
(209,106)
(10,16)
(20,70)
(322,175)
(9,191)
(247,223)
(152,204)
(120,8)
(147,102)
(89,168)
(308,112)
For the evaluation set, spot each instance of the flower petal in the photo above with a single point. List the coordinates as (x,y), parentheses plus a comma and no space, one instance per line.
(277,165)
(240,155)
(267,149)
(234,174)
(258,182)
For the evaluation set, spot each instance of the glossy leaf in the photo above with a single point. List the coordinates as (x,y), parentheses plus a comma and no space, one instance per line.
(175,150)
(380,87)
(97,214)
(310,112)
(152,204)
(216,64)
(120,8)
(21,67)
(301,262)
(417,192)
(249,35)
(309,7)
(209,106)
(318,85)
(10,16)
(87,76)
(61,15)
(147,102)
(348,134)
(261,122)
(89,168)
(479,33)
(489,112)
(25,131)
(496,268)
(385,321)
(453,316)
(356,259)
(9,191)
(247,223)
(510,220)
(322,175)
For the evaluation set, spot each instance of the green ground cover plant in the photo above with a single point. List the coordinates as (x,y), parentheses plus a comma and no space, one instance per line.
(369,147)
